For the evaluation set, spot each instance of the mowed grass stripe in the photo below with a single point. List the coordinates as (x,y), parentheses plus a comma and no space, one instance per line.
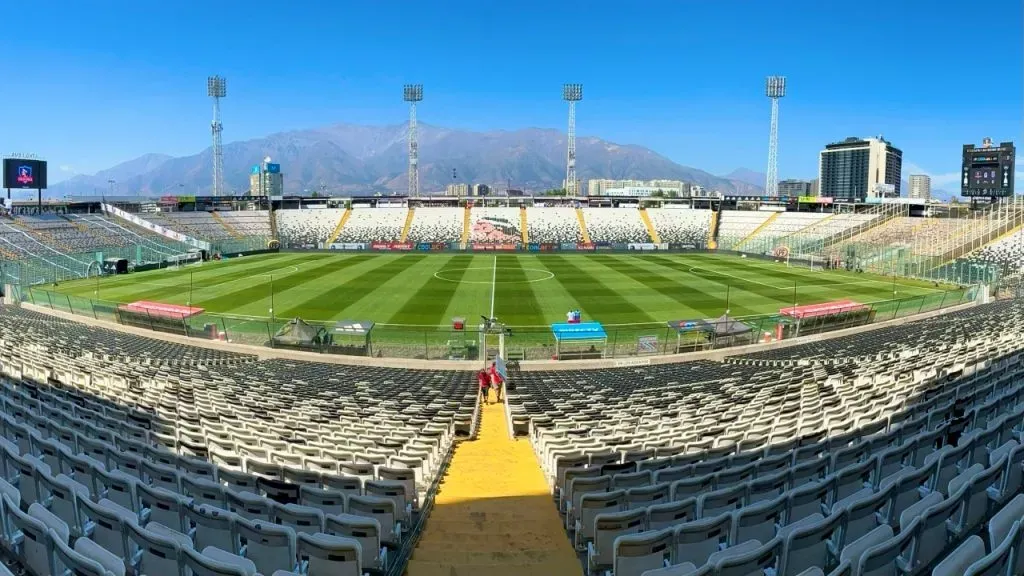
(818,285)
(692,292)
(260,288)
(605,304)
(336,297)
(514,299)
(163,278)
(764,289)
(167,274)
(428,304)
(211,283)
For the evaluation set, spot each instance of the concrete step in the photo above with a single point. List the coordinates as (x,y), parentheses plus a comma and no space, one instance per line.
(490,557)
(469,541)
(480,528)
(564,568)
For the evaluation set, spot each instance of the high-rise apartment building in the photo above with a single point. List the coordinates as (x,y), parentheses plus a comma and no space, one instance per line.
(793,188)
(606,187)
(859,168)
(920,187)
(460,189)
(266,180)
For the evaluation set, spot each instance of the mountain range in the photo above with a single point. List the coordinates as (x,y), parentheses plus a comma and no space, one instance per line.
(357,159)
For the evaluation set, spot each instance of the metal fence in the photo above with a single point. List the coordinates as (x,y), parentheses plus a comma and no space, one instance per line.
(521,342)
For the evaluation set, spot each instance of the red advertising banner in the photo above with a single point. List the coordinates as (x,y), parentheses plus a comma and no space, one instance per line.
(824,309)
(400,246)
(161,309)
(585,246)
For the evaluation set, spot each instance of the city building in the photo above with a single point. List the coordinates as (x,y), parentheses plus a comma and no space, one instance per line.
(860,168)
(459,189)
(793,188)
(266,180)
(920,187)
(814,187)
(605,187)
(481,190)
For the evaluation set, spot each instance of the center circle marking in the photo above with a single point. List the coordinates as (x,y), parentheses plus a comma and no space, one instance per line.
(440,275)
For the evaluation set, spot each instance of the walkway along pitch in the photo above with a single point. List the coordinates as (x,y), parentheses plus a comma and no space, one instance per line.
(493,515)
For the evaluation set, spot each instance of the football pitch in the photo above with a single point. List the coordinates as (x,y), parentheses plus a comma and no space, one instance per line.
(428,290)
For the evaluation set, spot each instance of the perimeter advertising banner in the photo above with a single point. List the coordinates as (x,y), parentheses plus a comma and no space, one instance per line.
(483,247)
(548,247)
(643,246)
(348,246)
(533,247)
(568,246)
(585,247)
(389,246)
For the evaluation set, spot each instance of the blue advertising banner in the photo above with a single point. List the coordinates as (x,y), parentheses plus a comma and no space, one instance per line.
(533,247)
(425,246)
(568,246)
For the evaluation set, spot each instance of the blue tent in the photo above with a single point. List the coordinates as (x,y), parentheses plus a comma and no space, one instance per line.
(582,333)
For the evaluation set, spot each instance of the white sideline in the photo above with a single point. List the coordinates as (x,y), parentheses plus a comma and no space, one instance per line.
(494,276)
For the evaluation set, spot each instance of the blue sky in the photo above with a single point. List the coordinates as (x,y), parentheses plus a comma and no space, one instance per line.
(99,82)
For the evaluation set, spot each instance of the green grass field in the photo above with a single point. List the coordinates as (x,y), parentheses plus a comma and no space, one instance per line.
(427,290)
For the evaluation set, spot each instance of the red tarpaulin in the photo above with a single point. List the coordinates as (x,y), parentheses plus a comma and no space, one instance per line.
(824,309)
(161,309)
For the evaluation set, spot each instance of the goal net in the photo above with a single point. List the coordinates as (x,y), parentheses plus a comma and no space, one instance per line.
(191,257)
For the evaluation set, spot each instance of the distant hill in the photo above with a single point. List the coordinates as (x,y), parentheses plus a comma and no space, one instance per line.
(748,176)
(348,158)
(100,181)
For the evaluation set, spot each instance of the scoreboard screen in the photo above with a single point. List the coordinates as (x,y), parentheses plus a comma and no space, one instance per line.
(984,176)
(988,171)
(24,174)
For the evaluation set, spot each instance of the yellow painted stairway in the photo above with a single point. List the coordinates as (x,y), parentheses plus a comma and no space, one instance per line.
(224,223)
(716,215)
(494,515)
(337,229)
(408,224)
(523,228)
(650,226)
(583,226)
(757,230)
(467,225)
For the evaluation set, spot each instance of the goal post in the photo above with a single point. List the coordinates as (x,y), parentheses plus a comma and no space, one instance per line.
(192,257)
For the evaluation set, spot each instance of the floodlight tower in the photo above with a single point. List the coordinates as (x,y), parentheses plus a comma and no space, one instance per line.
(774,88)
(571,93)
(217,88)
(413,93)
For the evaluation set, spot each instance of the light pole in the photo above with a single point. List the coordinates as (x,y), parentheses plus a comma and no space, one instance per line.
(217,88)
(413,93)
(571,93)
(774,88)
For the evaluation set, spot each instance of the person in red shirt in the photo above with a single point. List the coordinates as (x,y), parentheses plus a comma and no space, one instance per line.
(496,381)
(484,380)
